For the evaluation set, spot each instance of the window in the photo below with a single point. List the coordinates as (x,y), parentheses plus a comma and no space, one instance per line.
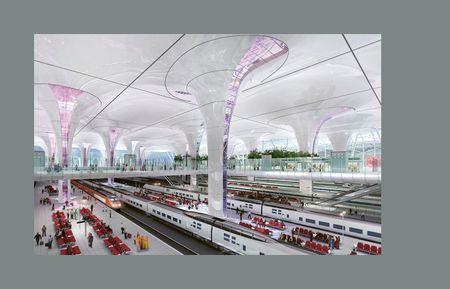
(274,211)
(175,219)
(159,213)
(355,230)
(169,217)
(226,237)
(244,247)
(287,216)
(300,219)
(233,240)
(154,211)
(339,227)
(179,221)
(311,221)
(261,253)
(163,214)
(325,224)
(374,234)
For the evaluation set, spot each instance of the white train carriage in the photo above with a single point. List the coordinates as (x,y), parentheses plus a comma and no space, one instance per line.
(354,228)
(350,227)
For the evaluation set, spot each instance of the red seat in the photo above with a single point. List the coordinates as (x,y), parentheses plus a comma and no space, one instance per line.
(319,248)
(373,250)
(325,249)
(114,250)
(117,239)
(313,246)
(366,248)
(379,250)
(76,250)
(360,246)
(308,245)
(125,248)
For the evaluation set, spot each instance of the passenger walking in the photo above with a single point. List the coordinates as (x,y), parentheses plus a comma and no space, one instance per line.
(122,229)
(53,206)
(92,208)
(49,242)
(44,231)
(110,214)
(37,237)
(90,239)
(332,243)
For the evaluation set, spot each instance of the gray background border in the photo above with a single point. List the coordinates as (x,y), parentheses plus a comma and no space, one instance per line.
(415,143)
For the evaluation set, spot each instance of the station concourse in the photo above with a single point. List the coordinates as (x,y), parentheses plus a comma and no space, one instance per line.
(205,144)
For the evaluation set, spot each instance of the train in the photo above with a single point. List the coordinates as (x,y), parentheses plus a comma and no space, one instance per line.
(229,236)
(100,194)
(355,228)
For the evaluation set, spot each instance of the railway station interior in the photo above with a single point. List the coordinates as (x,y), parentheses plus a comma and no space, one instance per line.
(207,144)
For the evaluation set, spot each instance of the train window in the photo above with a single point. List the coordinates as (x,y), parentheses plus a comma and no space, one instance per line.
(154,210)
(141,205)
(261,253)
(274,211)
(325,224)
(163,214)
(311,221)
(175,219)
(287,215)
(279,212)
(339,227)
(159,213)
(374,234)
(355,230)
(300,219)
(244,247)
(226,237)
(169,217)
(179,221)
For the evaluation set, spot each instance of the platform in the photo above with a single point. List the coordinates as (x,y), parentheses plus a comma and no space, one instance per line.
(42,215)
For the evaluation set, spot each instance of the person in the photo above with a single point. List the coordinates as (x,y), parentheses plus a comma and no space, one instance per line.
(310,236)
(350,211)
(363,217)
(53,206)
(122,229)
(332,243)
(125,233)
(40,201)
(49,242)
(90,239)
(109,213)
(92,207)
(44,231)
(37,237)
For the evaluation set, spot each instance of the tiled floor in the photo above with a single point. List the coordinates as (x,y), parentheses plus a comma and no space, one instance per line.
(42,215)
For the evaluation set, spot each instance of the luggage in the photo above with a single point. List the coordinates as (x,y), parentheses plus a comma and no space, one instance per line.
(129,235)
(41,243)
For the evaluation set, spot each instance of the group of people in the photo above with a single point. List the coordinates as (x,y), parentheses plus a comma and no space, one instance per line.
(72,214)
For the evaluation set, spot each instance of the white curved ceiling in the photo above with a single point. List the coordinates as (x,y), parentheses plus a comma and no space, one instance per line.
(125,77)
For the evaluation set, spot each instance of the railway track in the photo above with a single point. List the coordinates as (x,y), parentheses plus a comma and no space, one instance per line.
(180,241)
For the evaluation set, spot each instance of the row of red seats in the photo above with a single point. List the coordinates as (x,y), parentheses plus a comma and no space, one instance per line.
(66,240)
(291,239)
(276,224)
(116,246)
(247,225)
(318,248)
(58,216)
(321,237)
(101,230)
(258,220)
(369,249)
(263,230)
(71,250)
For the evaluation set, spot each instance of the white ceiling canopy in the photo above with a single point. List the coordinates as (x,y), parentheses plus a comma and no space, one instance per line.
(126,81)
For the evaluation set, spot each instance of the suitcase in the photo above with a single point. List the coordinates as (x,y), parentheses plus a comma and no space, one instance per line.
(129,235)
(41,243)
